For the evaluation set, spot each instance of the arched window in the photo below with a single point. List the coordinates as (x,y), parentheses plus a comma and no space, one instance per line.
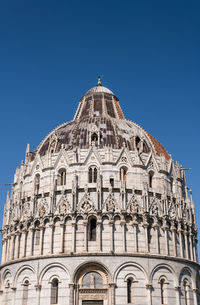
(185,291)
(92,229)
(111,181)
(163,290)
(162,283)
(62,177)
(92,280)
(37,183)
(7,288)
(129,290)
(92,174)
(54,291)
(151,178)
(25,292)
(123,173)
(138,143)
(94,138)
(52,147)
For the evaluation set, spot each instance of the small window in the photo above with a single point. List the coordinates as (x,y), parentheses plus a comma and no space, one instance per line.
(129,290)
(163,290)
(54,291)
(52,147)
(25,293)
(123,174)
(37,183)
(92,229)
(92,175)
(138,143)
(151,179)
(94,137)
(62,177)
(162,283)
(112,182)
(185,291)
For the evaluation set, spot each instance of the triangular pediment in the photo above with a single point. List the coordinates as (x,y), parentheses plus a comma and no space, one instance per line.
(124,157)
(93,156)
(62,160)
(37,165)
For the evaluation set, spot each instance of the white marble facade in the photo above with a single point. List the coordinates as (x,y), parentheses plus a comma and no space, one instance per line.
(99,214)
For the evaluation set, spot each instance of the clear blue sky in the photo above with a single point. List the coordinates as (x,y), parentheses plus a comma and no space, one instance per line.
(148,52)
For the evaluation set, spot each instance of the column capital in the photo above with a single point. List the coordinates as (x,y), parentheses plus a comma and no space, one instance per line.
(177,288)
(72,285)
(38,286)
(149,286)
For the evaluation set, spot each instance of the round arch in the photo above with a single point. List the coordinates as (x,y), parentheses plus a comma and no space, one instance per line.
(166,267)
(49,266)
(89,266)
(130,264)
(20,270)
(188,272)
(5,273)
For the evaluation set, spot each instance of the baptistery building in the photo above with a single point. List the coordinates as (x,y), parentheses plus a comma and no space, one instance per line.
(99,214)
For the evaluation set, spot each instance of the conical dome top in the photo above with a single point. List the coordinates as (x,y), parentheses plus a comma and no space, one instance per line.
(99,110)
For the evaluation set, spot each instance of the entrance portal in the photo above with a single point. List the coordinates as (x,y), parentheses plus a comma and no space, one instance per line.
(92,286)
(92,303)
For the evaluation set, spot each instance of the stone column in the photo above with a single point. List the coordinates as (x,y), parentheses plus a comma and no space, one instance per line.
(51,226)
(186,244)
(73,236)
(156,228)
(17,238)
(149,293)
(111,223)
(195,249)
(71,294)
(166,240)
(8,248)
(173,228)
(136,237)
(4,251)
(1,296)
(145,226)
(195,290)
(62,227)
(38,290)
(191,246)
(178,299)
(99,244)
(180,242)
(19,244)
(123,224)
(135,232)
(41,239)
(32,230)
(13,295)
(85,225)
(24,243)
(112,293)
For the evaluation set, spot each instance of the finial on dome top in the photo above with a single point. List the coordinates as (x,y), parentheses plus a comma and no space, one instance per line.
(99,81)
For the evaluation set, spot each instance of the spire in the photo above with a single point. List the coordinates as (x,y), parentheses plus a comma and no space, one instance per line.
(99,81)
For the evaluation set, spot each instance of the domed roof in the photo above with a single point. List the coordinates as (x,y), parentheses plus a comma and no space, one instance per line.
(99,88)
(99,113)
